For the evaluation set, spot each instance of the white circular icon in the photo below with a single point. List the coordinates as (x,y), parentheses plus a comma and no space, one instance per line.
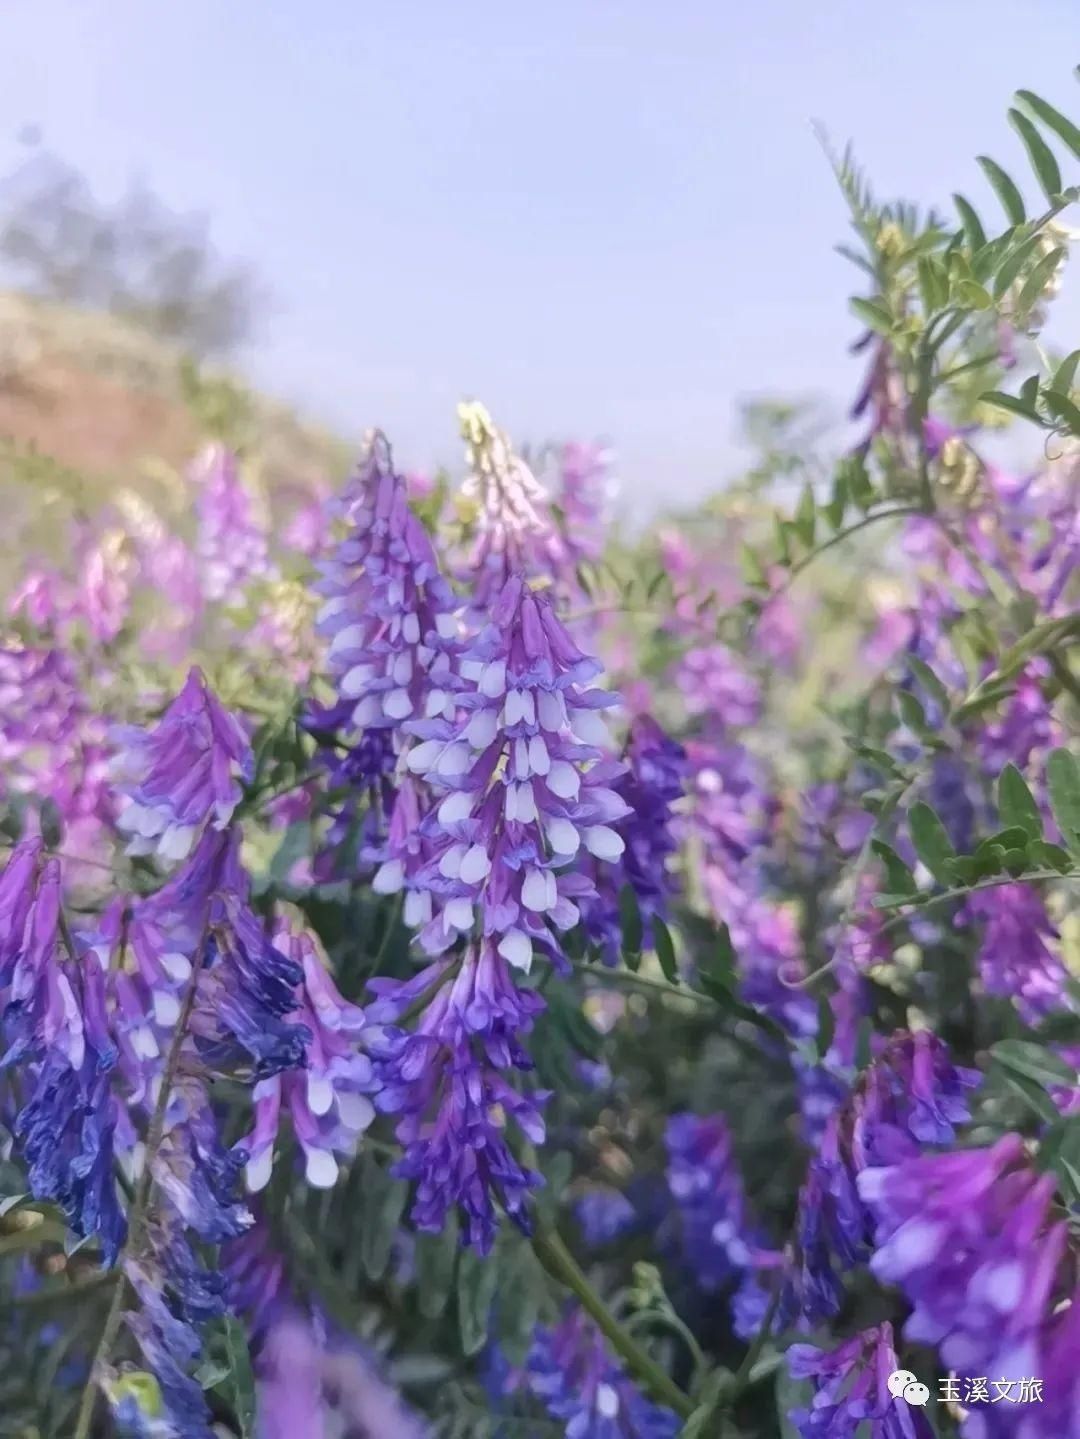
(916,1393)
(899,1380)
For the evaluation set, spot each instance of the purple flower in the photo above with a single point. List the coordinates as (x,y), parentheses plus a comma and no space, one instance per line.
(650,785)
(328,1101)
(969,1238)
(911,1095)
(447,1082)
(387,611)
(182,774)
(1015,960)
(313,1383)
(526,785)
(603,1215)
(715,684)
(514,529)
(571,1372)
(719,1240)
(232,542)
(851,1388)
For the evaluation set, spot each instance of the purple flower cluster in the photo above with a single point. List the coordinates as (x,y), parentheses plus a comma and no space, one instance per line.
(231,544)
(912,1095)
(1016,960)
(182,774)
(972,1239)
(720,1242)
(571,1372)
(851,1390)
(327,1102)
(387,612)
(651,784)
(57,1051)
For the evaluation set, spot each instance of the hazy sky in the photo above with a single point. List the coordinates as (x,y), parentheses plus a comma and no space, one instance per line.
(603,217)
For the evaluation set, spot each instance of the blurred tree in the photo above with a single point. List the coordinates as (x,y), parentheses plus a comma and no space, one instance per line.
(134,258)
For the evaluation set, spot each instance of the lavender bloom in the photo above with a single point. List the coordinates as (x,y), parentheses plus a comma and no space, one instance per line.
(514,528)
(51,744)
(1015,960)
(446,1082)
(313,1384)
(181,774)
(524,791)
(232,543)
(327,1102)
(54,1020)
(603,1215)
(714,683)
(851,1388)
(969,1238)
(650,785)
(584,489)
(911,1095)
(170,1346)
(388,613)
(570,1370)
(719,1240)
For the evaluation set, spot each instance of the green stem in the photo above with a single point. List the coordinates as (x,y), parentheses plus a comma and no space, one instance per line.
(670,1320)
(640,981)
(561,1265)
(896,512)
(921,902)
(144,1189)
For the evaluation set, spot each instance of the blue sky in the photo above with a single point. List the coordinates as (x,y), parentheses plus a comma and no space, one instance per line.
(603,217)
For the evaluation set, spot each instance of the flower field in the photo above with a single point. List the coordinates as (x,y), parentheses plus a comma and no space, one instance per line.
(471,970)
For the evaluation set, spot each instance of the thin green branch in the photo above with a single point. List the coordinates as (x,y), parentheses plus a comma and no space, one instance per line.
(896,512)
(561,1265)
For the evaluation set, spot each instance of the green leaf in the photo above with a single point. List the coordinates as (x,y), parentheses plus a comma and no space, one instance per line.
(665,950)
(1023,1056)
(52,823)
(1039,153)
(1002,401)
(475,1291)
(632,930)
(1063,780)
(806,517)
(1064,129)
(1064,410)
(1033,1095)
(929,681)
(931,840)
(933,283)
(834,510)
(900,879)
(1015,261)
(873,313)
(240,1386)
(911,711)
(1065,374)
(1011,200)
(1016,804)
(383,1202)
(1050,856)
(970,292)
(436,1261)
(826,1025)
(753,572)
(1036,283)
(973,230)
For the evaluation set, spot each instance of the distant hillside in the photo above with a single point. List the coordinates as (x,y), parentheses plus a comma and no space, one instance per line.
(89,402)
